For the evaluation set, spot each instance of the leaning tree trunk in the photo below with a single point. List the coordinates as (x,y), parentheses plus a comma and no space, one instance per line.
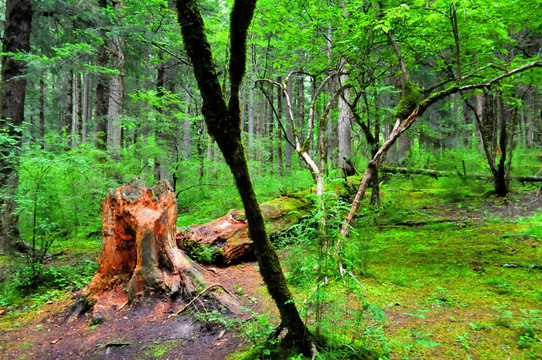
(224,125)
(139,247)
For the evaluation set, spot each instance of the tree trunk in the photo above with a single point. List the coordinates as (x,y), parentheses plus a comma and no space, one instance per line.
(288,146)
(100,105)
(279,136)
(87,109)
(116,94)
(139,245)
(41,125)
(16,38)
(344,123)
(67,124)
(223,124)
(77,114)
(251,135)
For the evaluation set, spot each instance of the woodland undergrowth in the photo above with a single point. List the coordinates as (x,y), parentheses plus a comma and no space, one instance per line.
(440,268)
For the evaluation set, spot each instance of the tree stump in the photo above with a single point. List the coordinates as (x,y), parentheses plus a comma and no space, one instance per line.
(139,246)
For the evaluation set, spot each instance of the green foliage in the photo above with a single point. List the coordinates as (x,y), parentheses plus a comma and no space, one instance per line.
(333,297)
(202,253)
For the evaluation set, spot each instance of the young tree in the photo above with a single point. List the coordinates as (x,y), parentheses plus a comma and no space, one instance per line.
(224,125)
(18,23)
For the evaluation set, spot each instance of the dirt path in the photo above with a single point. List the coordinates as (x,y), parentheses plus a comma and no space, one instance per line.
(143,330)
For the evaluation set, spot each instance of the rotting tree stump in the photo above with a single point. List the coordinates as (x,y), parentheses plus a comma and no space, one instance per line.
(228,237)
(139,248)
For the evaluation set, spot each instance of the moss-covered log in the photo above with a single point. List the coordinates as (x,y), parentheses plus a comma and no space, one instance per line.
(225,241)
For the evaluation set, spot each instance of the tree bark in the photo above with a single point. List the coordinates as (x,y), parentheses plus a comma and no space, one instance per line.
(16,38)
(87,108)
(344,123)
(67,124)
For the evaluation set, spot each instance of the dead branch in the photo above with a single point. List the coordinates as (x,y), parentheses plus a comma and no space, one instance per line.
(203,292)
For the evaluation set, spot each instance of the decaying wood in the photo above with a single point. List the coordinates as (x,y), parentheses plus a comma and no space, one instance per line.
(519,266)
(139,248)
(229,234)
(437,173)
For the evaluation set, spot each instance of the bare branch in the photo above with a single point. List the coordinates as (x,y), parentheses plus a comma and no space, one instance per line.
(284,132)
(400,59)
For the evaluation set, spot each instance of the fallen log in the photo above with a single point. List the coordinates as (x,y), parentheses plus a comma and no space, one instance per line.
(226,240)
(438,173)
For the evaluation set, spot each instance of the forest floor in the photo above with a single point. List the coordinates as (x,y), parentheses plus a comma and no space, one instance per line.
(147,329)
(456,273)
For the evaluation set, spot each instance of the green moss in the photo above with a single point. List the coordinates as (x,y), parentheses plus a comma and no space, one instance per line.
(409,100)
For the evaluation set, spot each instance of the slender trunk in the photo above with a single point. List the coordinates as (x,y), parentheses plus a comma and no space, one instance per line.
(77,111)
(68,120)
(116,93)
(160,92)
(288,147)
(41,125)
(344,123)
(100,105)
(279,137)
(187,143)
(223,124)
(271,131)
(301,106)
(87,109)
(251,123)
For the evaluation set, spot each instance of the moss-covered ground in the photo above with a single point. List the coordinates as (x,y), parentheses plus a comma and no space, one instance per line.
(456,271)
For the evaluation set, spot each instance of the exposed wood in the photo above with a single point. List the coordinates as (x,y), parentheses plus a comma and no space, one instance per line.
(229,234)
(139,248)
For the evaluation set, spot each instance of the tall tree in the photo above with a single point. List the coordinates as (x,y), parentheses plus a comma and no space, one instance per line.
(224,125)
(116,94)
(18,24)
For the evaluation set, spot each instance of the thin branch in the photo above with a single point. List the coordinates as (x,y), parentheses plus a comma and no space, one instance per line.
(197,185)
(160,47)
(489,83)
(285,133)
(400,59)
(453,19)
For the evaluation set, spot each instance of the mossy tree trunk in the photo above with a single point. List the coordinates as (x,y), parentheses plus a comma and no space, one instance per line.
(16,38)
(224,125)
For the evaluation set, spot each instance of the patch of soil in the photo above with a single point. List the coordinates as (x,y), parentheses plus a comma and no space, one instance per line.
(145,329)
